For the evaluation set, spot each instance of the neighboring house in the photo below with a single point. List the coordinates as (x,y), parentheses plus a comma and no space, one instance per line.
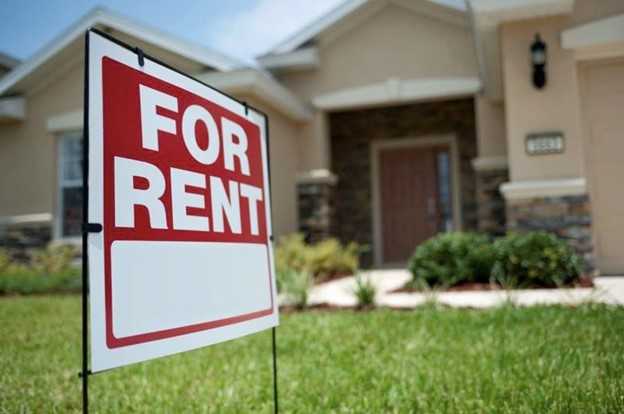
(7,63)
(391,120)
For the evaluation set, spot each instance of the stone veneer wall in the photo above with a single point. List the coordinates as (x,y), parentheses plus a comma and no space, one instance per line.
(20,241)
(569,217)
(316,207)
(490,202)
(351,134)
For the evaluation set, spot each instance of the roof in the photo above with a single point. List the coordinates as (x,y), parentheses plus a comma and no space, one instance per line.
(358,9)
(70,44)
(8,62)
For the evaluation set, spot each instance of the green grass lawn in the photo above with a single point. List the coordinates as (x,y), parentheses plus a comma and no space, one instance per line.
(538,360)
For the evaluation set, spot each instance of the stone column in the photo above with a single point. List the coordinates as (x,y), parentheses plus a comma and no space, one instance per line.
(490,174)
(561,207)
(315,191)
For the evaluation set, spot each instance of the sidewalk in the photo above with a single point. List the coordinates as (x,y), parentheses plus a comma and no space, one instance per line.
(340,293)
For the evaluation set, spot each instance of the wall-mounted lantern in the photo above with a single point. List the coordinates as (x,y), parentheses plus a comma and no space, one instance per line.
(538,59)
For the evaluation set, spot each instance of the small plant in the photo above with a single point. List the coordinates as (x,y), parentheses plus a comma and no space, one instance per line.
(365,292)
(431,293)
(452,258)
(535,259)
(296,287)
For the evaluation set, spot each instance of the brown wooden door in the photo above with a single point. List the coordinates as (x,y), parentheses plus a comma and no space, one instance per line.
(409,191)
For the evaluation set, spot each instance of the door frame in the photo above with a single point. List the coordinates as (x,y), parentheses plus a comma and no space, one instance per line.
(588,164)
(376,147)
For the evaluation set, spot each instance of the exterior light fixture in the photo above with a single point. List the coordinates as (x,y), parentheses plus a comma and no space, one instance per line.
(538,59)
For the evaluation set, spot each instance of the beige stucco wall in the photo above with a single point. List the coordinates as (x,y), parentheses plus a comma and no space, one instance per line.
(283,136)
(313,143)
(490,121)
(392,43)
(28,153)
(553,108)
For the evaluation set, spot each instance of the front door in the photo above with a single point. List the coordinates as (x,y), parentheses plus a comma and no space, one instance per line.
(415,198)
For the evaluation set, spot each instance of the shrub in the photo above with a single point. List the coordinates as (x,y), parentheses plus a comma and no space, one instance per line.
(323,259)
(54,259)
(49,270)
(24,280)
(295,286)
(535,258)
(5,260)
(452,258)
(364,292)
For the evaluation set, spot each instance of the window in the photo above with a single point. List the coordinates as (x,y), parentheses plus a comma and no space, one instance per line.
(70,186)
(444,180)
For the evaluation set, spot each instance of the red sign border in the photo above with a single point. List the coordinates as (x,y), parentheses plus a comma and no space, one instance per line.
(113,342)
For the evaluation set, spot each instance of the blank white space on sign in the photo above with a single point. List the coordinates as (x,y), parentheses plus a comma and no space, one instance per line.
(213,281)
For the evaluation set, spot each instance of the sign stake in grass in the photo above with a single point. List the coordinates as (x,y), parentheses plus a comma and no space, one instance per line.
(177,234)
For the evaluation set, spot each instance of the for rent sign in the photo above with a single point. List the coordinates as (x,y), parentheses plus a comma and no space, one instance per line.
(178,178)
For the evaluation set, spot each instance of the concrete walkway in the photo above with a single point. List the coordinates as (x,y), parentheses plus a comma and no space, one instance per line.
(340,293)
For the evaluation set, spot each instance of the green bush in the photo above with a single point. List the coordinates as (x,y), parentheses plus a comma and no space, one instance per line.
(49,271)
(5,260)
(323,259)
(24,280)
(54,259)
(452,258)
(535,258)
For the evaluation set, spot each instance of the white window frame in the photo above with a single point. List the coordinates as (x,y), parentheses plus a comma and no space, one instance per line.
(61,184)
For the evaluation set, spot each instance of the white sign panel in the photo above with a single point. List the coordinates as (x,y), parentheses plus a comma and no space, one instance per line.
(178,178)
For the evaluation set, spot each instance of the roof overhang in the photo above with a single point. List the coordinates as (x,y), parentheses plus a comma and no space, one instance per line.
(254,83)
(487,15)
(68,49)
(300,59)
(397,91)
(12,109)
(599,39)
(7,61)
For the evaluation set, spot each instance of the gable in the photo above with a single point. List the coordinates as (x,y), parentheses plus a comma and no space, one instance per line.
(393,43)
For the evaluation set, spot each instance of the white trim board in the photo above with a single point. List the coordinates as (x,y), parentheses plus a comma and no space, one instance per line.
(376,146)
(266,88)
(13,108)
(522,190)
(490,163)
(320,176)
(26,220)
(66,122)
(397,90)
(599,39)
(300,59)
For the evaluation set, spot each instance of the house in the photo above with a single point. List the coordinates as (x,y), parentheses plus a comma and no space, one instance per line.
(390,120)
(41,122)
